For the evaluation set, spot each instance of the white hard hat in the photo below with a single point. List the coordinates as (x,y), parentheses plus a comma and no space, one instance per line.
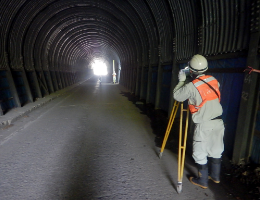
(198,63)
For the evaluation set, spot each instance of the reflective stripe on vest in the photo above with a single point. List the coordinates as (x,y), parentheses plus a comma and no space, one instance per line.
(206,93)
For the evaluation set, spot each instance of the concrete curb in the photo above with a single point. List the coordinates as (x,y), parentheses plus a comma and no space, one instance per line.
(19,112)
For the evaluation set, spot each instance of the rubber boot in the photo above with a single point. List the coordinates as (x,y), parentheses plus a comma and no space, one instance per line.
(214,173)
(202,179)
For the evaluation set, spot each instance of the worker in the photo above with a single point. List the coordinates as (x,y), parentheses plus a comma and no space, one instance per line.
(100,79)
(114,77)
(204,103)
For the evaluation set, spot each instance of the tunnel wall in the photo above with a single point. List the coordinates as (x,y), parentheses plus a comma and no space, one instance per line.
(40,84)
(231,90)
(255,151)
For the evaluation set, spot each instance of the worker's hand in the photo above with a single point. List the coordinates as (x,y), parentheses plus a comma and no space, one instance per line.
(182,75)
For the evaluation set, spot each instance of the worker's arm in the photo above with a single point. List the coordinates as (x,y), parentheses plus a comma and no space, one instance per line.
(181,92)
(178,86)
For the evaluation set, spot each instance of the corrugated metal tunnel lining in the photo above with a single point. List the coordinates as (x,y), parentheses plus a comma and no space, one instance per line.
(134,30)
(49,45)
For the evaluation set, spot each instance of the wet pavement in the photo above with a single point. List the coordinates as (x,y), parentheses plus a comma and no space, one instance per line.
(91,141)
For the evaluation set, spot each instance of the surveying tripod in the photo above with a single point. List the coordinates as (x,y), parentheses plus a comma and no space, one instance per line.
(182,140)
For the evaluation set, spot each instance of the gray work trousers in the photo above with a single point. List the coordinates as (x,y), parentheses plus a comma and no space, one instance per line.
(208,140)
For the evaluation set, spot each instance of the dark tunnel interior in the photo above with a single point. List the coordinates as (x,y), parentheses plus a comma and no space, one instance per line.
(48,45)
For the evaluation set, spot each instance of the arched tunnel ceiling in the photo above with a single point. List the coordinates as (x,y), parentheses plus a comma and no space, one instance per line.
(55,34)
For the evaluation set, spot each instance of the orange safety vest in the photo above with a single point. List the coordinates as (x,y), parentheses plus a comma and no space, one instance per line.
(206,93)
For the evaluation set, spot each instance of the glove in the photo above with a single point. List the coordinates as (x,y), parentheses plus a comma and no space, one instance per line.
(182,75)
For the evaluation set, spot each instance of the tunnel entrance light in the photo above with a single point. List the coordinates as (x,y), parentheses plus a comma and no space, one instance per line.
(99,68)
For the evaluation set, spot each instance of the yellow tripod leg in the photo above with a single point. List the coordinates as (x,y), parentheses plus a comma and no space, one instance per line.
(171,120)
(182,148)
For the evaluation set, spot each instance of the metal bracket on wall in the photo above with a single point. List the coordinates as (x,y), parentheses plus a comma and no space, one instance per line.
(251,69)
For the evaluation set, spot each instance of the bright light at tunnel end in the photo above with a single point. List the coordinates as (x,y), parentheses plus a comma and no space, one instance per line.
(99,68)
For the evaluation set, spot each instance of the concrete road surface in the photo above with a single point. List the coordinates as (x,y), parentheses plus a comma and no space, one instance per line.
(91,143)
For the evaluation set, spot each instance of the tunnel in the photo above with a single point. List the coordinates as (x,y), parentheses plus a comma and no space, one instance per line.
(50,47)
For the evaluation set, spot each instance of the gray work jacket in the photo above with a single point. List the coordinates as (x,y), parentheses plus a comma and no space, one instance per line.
(209,110)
